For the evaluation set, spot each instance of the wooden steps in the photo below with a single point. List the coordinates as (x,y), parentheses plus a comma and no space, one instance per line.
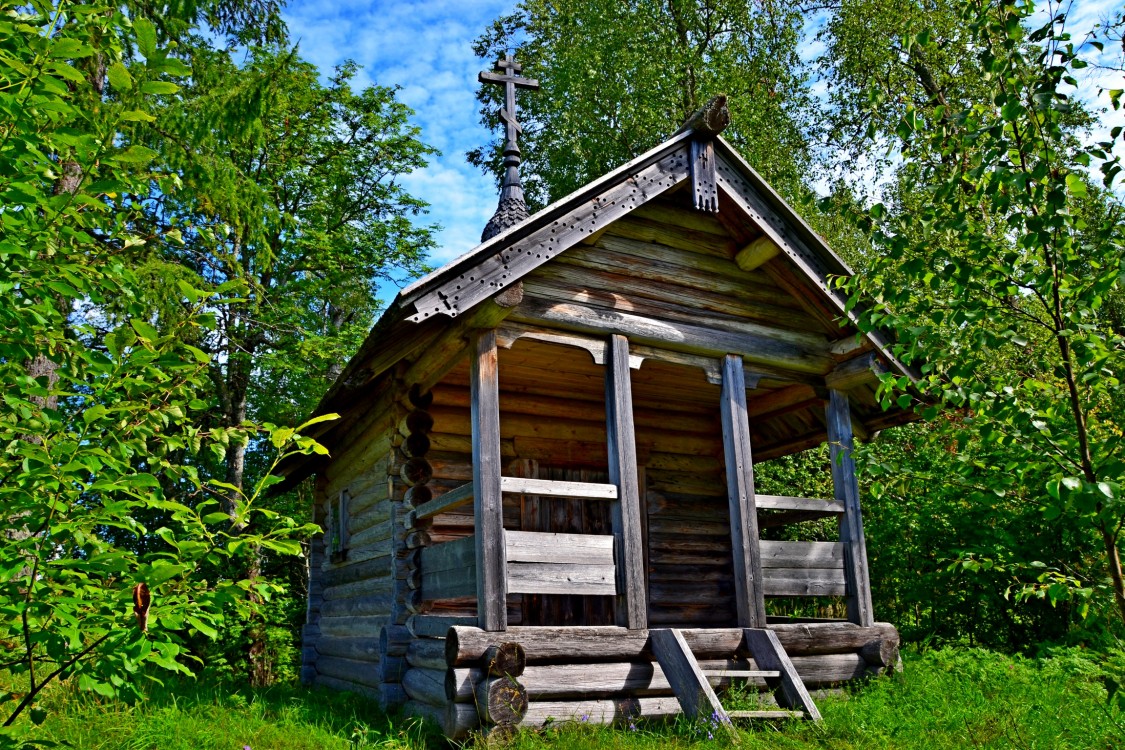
(692,685)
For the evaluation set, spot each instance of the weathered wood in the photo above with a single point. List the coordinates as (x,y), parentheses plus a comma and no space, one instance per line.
(455,720)
(604,205)
(749,593)
(802,554)
(359,606)
(449,584)
(467,645)
(425,685)
(756,253)
(700,245)
(769,654)
(491,566)
(504,660)
(360,520)
(704,187)
(691,686)
(375,567)
(846,488)
(570,578)
(626,513)
(881,654)
(372,535)
(436,626)
(553,488)
(357,649)
(804,582)
(367,673)
(599,711)
(561,549)
(770,352)
(500,700)
(427,653)
(863,370)
(445,502)
(351,626)
(366,587)
(709,120)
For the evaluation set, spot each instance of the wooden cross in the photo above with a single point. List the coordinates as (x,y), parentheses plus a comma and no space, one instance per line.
(507,73)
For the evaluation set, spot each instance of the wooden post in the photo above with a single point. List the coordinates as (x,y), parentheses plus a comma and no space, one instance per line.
(632,610)
(488,509)
(846,488)
(749,594)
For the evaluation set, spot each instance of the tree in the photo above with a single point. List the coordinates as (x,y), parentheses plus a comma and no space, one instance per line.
(618,78)
(999,248)
(91,441)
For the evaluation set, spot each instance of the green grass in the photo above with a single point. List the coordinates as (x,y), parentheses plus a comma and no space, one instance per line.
(945,699)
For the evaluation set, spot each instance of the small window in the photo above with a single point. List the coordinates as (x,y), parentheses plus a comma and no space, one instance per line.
(338,528)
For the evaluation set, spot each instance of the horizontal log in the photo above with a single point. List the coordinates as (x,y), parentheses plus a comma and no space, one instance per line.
(384,584)
(455,720)
(647,679)
(394,639)
(356,649)
(755,349)
(359,672)
(466,645)
(376,513)
(352,627)
(356,554)
(354,571)
(347,686)
(427,653)
(425,685)
(599,711)
(359,606)
(436,626)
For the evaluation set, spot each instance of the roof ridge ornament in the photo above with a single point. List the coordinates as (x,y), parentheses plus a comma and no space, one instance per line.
(512,208)
(705,124)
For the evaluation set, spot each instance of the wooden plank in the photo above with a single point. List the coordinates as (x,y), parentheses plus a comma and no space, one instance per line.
(704,189)
(444,502)
(449,584)
(756,253)
(511,260)
(632,610)
(549,578)
(846,488)
(802,554)
(803,582)
(782,502)
(488,508)
(769,654)
(863,370)
(697,243)
(552,488)
(691,686)
(750,599)
(547,547)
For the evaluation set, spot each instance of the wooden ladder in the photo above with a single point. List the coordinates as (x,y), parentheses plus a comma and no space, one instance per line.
(692,684)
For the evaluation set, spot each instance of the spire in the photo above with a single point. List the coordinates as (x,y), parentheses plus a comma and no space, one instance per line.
(511,209)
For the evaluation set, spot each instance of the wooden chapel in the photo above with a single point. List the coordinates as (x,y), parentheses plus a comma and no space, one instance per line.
(540,499)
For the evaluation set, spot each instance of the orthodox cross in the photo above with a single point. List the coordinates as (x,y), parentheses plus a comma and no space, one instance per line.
(508,74)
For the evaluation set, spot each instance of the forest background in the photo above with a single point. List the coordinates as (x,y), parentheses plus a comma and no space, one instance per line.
(199,228)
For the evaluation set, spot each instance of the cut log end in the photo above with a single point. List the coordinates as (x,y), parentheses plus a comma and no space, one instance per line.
(505,660)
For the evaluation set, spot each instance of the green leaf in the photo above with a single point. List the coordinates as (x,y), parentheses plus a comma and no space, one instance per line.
(1076,185)
(38,716)
(159,87)
(144,330)
(203,627)
(146,37)
(213,518)
(136,115)
(135,154)
(119,77)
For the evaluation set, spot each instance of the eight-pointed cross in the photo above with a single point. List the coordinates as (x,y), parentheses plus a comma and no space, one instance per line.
(508,74)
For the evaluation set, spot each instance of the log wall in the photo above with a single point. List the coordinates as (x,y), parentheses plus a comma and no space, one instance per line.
(530,676)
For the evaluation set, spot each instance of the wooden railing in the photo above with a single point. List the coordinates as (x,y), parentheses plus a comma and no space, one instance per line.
(803,568)
(794,509)
(463,495)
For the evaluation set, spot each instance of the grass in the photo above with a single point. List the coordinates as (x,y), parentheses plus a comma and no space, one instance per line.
(955,698)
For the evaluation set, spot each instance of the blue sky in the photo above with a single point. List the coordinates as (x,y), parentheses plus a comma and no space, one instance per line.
(426,49)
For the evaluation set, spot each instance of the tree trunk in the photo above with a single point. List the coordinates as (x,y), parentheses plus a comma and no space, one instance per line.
(1113,560)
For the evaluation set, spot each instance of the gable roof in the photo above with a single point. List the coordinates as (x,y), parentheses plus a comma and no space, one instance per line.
(417,313)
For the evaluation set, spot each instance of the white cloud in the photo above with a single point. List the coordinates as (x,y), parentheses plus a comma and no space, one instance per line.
(426,49)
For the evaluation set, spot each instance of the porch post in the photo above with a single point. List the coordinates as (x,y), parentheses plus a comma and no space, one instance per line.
(846,490)
(750,597)
(488,509)
(632,609)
